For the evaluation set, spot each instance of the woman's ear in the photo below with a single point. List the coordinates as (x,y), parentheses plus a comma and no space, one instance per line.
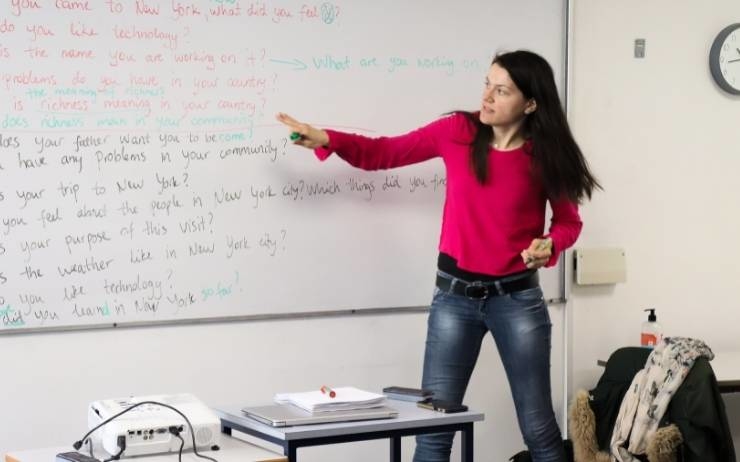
(530,107)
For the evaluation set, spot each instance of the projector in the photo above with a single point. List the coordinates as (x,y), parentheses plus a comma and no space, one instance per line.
(152,429)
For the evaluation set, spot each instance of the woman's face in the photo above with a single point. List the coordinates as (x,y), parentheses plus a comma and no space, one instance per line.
(503,103)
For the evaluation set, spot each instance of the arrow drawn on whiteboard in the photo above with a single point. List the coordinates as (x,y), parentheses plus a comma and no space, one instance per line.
(297,64)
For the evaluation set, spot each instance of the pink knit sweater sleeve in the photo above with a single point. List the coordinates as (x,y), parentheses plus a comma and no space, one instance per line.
(388,152)
(565,227)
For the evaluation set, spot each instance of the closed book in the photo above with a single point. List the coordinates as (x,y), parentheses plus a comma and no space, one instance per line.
(407,394)
(401,397)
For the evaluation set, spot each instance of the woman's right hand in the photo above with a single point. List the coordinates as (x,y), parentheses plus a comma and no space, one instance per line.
(311,137)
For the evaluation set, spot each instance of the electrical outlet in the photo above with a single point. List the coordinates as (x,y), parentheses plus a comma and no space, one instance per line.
(639,48)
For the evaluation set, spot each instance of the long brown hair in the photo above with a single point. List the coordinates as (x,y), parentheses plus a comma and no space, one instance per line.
(557,159)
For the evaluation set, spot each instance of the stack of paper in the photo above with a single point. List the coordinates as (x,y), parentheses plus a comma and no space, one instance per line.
(345,398)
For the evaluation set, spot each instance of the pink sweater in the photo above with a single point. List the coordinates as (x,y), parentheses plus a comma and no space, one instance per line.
(484,227)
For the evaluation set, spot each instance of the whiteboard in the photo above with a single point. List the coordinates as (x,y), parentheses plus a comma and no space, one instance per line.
(144,179)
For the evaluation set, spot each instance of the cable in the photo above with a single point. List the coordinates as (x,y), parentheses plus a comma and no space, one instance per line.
(90,447)
(121,445)
(78,444)
(182,444)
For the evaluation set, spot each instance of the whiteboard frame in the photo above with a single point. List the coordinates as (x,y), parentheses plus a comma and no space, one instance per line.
(561,268)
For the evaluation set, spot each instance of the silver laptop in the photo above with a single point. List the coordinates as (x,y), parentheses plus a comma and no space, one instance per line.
(286,415)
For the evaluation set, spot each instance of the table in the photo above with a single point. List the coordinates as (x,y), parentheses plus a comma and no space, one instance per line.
(232,450)
(411,420)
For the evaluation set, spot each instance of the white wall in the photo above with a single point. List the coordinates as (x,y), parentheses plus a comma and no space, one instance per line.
(665,143)
(48,379)
(662,139)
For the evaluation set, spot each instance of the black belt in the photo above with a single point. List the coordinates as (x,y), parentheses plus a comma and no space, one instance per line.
(478,290)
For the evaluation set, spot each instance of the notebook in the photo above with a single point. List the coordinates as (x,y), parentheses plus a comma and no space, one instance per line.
(342,399)
(286,415)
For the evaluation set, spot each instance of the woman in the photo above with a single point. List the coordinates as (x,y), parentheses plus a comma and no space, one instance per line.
(503,163)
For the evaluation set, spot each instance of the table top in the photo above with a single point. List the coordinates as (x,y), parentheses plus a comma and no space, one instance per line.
(232,450)
(409,416)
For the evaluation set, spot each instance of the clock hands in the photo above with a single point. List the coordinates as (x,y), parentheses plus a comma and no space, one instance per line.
(737,59)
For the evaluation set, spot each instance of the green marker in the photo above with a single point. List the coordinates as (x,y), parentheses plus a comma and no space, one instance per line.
(295,136)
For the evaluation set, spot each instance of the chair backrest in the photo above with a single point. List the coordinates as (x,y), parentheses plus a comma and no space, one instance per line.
(619,371)
(696,408)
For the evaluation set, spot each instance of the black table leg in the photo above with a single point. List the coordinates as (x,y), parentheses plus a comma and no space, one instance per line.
(291,451)
(466,453)
(395,449)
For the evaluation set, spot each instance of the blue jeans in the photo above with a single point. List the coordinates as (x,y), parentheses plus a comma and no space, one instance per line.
(520,325)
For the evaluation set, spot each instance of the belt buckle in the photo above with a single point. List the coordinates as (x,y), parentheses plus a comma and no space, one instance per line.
(476,286)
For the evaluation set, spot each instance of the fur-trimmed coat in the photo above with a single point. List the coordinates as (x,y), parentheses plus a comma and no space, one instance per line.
(695,422)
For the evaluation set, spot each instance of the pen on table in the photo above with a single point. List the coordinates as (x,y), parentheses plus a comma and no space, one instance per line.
(327,390)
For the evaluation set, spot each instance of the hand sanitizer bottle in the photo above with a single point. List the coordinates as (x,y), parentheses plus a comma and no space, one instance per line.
(652,331)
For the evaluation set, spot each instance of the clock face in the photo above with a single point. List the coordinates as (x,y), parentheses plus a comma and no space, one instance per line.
(724,59)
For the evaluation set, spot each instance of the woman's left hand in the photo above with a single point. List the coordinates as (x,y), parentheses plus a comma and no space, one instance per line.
(538,253)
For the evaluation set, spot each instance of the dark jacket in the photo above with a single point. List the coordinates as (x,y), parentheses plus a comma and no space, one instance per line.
(696,409)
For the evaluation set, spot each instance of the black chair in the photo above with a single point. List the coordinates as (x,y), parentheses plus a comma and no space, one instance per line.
(694,427)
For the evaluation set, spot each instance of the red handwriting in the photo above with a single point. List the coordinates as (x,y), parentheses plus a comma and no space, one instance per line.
(281,13)
(133,32)
(107,82)
(37,31)
(73,53)
(257,9)
(309,11)
(143,9)
(6,27)
(18,6)
(35,52)
(158,58)
(190,106)
(143,81)
(28,78)
(248,107)
(196,57)
(4,52)
(114,6)
(72,5)
(181,10)
(78,79)
(204,84)
(222,10)
(228,58)
(80,30)
(247,82)
(118,57)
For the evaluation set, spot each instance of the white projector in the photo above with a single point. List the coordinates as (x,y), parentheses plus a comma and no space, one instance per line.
(149,428)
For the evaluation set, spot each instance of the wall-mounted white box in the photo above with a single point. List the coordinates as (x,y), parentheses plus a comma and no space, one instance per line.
(601,265)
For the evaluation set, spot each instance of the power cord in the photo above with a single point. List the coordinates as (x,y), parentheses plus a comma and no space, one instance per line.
(78,444)
(175,431)
(121,441)
(90,447)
